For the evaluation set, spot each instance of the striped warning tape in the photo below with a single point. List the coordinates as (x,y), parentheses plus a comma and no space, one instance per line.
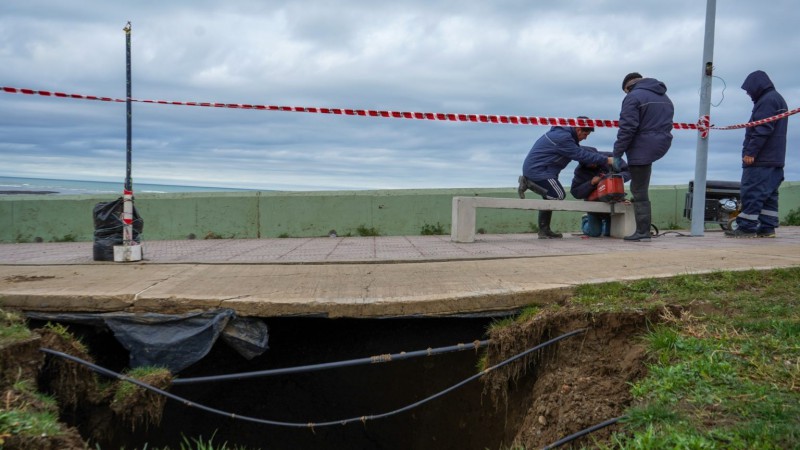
(703,124)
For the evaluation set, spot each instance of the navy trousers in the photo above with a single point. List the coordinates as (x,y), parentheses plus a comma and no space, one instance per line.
(759,193)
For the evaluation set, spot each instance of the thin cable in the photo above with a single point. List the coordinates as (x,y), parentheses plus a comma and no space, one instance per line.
(724,86)
(311,425)
(582,433)
(331,365)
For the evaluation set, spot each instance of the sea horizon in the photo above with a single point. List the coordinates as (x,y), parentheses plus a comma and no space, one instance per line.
(54,186)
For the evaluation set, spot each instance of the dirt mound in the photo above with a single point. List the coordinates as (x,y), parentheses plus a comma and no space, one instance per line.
(577,383)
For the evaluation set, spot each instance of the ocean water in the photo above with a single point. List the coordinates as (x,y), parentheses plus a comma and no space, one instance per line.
(16,185)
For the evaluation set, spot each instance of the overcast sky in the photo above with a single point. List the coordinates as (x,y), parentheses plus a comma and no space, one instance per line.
(515,57)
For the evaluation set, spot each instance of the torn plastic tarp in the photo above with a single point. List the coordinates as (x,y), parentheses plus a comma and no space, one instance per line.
(173,341)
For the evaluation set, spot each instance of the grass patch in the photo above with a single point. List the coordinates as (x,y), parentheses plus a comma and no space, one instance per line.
(793,218)
(28,423)
(726,372)
(432,230)
(63,331)
(723,364)
(362,230)
(12,327)
(126,389)
(66,238)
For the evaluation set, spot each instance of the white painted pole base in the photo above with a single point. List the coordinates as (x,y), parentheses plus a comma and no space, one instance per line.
(127,253)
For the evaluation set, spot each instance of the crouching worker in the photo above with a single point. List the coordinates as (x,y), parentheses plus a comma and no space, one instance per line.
(549,155)
(584,183)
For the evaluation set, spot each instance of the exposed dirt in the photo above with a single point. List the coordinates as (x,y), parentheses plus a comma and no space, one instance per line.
(579,382)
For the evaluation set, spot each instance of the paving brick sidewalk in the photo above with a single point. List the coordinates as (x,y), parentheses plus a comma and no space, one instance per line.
(375,249)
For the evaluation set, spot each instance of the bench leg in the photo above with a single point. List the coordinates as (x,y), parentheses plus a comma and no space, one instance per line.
(623,221)
(462,227)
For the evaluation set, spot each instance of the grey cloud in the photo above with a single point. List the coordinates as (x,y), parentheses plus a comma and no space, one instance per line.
(508,57)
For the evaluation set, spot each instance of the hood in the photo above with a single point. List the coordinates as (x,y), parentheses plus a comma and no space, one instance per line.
(651,84)
(756,84)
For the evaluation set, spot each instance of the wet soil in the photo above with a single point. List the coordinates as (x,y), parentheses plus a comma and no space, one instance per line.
(578,382)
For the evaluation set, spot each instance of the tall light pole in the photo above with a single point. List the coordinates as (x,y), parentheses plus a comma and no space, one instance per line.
(129,250)
(701,160)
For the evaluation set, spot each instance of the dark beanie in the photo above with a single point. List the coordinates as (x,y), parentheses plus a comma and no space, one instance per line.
(629,77)
(586,118)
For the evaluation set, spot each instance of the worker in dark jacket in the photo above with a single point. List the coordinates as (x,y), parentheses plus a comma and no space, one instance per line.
(549,155)
(644,136)
(763,158)
(585,180)
(587,176)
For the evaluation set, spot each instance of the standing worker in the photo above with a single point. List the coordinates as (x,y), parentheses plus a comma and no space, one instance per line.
(763,158)
(549,155)
(645,136)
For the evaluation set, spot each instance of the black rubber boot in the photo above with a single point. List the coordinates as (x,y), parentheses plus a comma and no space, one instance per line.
(522,186)
(544,226)
(641,212)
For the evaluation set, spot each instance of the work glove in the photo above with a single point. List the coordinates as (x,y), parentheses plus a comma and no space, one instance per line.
(616,166)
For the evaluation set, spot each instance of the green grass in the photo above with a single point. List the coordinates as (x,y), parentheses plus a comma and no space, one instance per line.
(12,327)
(793,218)
(28,423)
(126,389)
(727,374)
(432,230)
(362,230)
(66,238)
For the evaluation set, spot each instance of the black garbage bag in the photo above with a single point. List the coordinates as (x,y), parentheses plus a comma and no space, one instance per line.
(108,228)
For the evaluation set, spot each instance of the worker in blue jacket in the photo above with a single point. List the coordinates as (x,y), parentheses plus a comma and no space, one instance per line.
(585,180)
(644,136)
(763,158)
(549,155)
(587,176)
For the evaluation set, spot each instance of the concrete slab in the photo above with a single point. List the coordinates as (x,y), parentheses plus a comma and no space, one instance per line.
(362,276)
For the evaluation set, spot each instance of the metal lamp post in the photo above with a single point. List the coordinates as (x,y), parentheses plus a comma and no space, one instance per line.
(130,250)
(701,160)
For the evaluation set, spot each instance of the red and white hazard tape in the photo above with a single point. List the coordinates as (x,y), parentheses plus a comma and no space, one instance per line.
(703,124)
(756,123)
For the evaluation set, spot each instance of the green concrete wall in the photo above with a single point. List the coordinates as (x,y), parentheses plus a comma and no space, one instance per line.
(48,218)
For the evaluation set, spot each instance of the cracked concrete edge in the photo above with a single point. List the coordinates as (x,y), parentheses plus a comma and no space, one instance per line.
(479,304)
(67,303)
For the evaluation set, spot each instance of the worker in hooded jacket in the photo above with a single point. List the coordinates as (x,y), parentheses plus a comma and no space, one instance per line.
(763,158)
(644,136)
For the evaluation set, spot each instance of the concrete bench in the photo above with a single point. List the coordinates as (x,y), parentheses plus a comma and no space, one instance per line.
(623,221)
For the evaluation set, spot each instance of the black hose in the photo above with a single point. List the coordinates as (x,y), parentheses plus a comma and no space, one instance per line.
(352,362)
(311,425)
(582,433)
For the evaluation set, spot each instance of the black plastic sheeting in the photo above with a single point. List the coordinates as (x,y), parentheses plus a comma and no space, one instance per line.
(173,341)
(108,228)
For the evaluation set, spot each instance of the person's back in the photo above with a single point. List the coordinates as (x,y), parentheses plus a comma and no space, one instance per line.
(644,136)
(645,124)
(553,151)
